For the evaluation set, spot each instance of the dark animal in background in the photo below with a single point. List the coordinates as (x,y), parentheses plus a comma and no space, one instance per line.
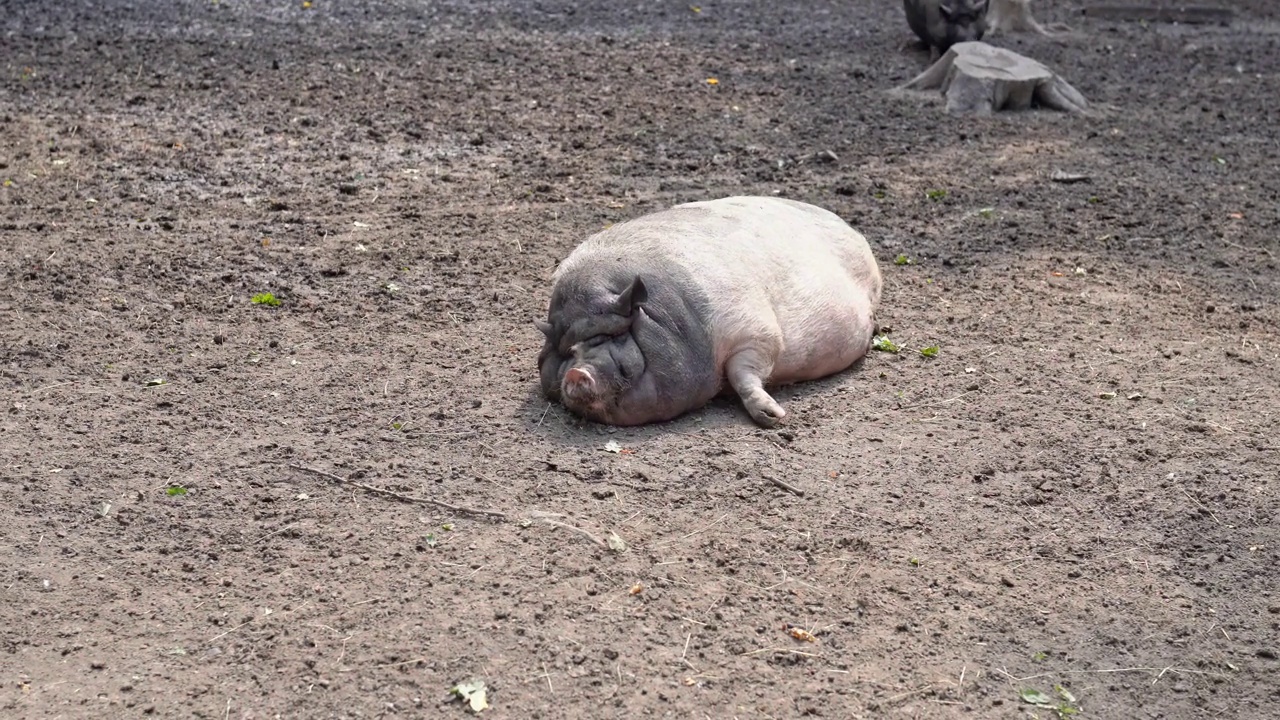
(649,318)
(943,23)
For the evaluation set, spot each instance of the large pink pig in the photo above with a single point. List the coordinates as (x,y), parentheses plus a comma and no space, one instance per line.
(649,317)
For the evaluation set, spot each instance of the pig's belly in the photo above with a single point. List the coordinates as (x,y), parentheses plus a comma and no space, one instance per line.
(823,340)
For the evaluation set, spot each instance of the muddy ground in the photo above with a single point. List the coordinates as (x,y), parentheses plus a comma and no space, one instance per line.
(1080,489)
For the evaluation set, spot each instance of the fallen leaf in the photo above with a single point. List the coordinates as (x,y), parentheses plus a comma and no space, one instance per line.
(1055,273)
(616,543)
(1106,395)
(884,344)
(712,81)
(1134,396)
(636,589)
(1035,697)
(474,693)
(613,446)
(802,634)
(1236,216)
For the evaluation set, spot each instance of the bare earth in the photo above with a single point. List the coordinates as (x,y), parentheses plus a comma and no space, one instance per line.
(1080,490)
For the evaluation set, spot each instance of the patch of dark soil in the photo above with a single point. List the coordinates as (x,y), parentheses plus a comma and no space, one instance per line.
(1080,490)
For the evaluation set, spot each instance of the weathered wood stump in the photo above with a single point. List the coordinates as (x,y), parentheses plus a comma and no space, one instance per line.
(980,79)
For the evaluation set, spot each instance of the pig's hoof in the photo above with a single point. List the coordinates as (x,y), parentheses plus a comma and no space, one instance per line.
(765,411)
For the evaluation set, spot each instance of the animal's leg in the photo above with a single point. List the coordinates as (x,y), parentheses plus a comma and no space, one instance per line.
(748,369)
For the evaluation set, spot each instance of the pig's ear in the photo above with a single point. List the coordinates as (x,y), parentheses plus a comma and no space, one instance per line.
(543,326)
(631,298)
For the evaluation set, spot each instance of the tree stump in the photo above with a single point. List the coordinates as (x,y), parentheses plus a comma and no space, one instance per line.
(980,79)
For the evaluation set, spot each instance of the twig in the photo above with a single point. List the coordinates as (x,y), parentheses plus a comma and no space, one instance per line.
(1250,249)
(398,496)
(899,696)
(1163,670)
(781,650)
(55,385)
(228,632)
(1200,505)
(567,526)
(274,532)
(710,525)
(784,485)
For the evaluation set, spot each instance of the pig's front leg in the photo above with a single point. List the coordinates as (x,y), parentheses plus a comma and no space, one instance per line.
(748,369)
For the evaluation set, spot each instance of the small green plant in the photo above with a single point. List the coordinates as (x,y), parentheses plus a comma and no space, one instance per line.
(265,299)
(1219,160)
(447,527)
(929,352)
(1065,707)
(987,213)
(430,540)
(397,426)
(903,260)
(1093,200)
(884,344)
(914,561)
(1039,657)
(156,382)
(934,194)
(175,490)
(879,195)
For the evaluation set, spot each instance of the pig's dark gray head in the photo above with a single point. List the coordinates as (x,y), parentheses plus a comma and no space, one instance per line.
(965,20)
(590,358)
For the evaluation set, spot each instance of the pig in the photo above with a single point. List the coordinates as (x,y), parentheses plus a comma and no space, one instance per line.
(943,23)
(649,318)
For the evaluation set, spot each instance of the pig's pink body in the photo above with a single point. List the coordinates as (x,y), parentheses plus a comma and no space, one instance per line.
(786,291)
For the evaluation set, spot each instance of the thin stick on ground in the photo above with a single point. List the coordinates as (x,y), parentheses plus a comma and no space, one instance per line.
(1171,668)
(784,485)
(788,651)
(402,498)
(576,529)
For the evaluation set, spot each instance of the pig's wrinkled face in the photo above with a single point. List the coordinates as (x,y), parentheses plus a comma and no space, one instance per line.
(590,358)
(966,20)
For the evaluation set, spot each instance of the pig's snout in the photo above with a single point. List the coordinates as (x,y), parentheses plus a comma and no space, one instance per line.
(580,385)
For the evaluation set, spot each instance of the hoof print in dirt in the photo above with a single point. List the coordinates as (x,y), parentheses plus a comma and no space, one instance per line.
(979,79)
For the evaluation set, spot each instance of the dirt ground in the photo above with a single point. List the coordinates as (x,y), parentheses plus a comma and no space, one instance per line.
(1079,491)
